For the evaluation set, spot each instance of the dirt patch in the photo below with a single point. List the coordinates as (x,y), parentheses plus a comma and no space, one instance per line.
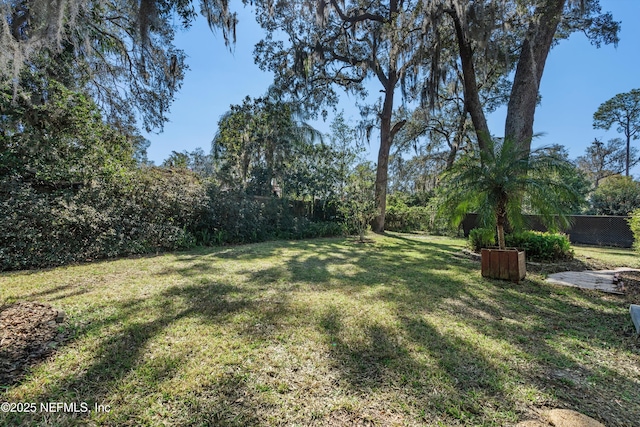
(631,281)
(574,264)
(29,332)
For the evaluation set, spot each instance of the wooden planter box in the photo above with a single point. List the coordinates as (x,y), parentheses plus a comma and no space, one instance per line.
(505,264)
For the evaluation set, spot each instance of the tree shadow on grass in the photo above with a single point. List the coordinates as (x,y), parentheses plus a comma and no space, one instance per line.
(560,337)
(531,318)
(419,367)
(120,358)
(123,358)
(62,291)
(409,355)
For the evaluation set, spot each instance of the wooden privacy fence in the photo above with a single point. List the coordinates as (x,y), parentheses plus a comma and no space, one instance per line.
(599,230)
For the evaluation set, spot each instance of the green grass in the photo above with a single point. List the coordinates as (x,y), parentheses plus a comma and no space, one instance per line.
(614,257)
(400,331)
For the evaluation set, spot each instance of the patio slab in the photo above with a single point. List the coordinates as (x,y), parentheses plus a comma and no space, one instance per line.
(601,280)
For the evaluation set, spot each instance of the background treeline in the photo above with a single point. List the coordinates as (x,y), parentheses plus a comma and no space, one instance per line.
(78,79)
(75,187)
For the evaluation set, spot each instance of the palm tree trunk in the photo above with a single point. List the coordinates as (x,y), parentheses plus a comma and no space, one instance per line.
(501,242)
(501,219)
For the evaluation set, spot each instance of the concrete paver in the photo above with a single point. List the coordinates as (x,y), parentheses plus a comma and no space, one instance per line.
(601,280)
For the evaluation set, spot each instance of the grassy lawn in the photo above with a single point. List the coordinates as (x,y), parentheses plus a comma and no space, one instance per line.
(400,331)
(610,257)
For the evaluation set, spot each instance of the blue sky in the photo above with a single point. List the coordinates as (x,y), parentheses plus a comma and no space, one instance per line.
(578,77)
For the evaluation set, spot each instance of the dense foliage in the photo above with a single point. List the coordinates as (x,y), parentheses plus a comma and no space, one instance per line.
(537,245)
(144,211)
(61,141)
(497,182)
(540,246)
(634,224)
(72,191)
(235,217)
(409,212)
(616,195)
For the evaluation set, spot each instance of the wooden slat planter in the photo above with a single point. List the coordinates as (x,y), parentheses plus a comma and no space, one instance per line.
(505,264)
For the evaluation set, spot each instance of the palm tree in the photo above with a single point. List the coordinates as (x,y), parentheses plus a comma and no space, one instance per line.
(497,181)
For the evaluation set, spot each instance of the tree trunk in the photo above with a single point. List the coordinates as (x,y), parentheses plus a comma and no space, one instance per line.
(526,83)
(472,102)
(382,170)
(457,142)
(501,220)
(628,151)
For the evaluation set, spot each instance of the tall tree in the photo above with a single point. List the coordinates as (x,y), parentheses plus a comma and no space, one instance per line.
(603,160)
(530,29)
(256,141)
(623,110)
(343,43)
(122,50)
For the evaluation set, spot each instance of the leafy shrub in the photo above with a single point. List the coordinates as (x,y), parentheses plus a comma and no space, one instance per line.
(407,213)
(234,217)
(541,246)
(634,223)
(144,211)
(616,195)
(481,238)
(403,218)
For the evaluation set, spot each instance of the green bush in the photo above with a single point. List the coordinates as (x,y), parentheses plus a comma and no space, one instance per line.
(541,246)
(634,223)
(144,211)
(481,238)
(404,215)
(616,195)
(405,219)
(233,217)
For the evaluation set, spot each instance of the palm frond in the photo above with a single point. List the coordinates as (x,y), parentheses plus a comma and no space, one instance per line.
(506,171)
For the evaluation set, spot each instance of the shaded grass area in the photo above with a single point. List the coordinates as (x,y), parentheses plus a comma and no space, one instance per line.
(608,257)
(400,331)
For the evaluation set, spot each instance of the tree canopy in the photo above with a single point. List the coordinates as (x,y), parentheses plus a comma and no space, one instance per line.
(343,44)
(121,52)
(623,111)
(521,33)
(258,142)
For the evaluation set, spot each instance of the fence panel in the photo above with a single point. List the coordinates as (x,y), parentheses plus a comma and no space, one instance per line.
(599,230)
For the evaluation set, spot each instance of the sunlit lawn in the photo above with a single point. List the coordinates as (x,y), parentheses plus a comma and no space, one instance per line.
(400,331)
